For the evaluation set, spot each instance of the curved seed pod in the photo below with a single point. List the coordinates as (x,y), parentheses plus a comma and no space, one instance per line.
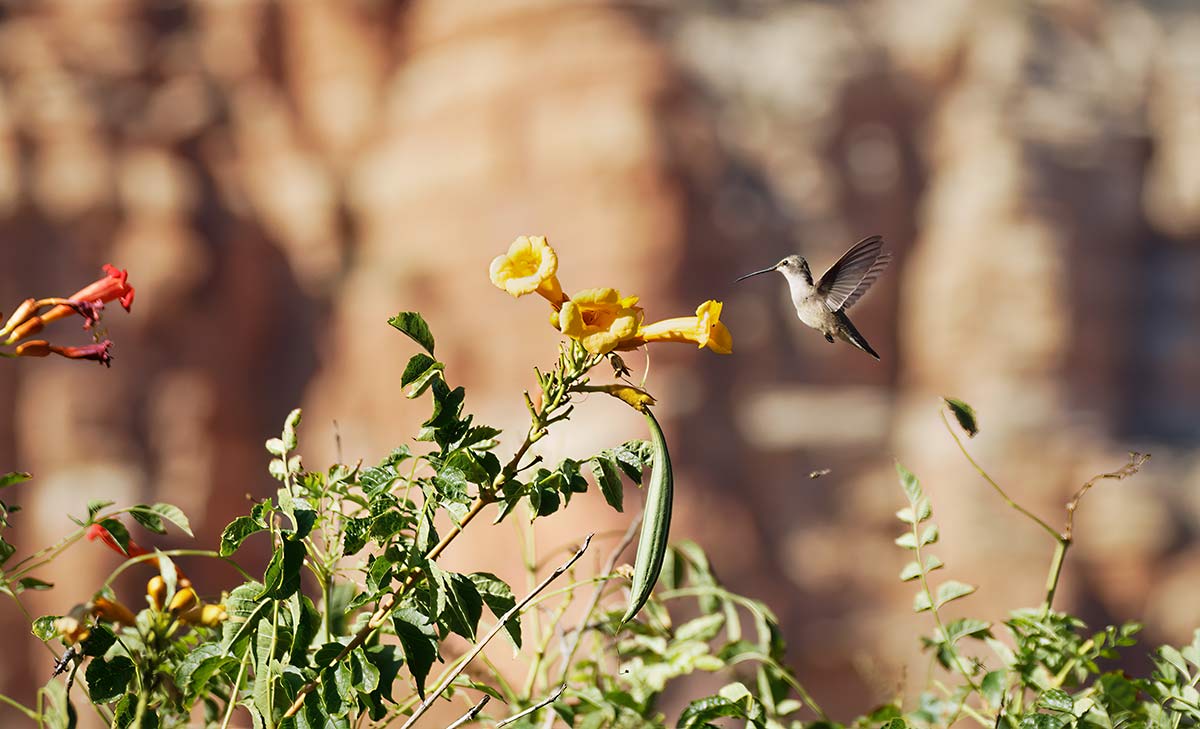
(656,522)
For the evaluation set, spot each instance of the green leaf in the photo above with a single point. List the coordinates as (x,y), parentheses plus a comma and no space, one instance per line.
(95,505)
(148,519)
(118,532)
(499,598)
(174,515)
(912,487)
(703,628)
(464,606)
(930,536)
(993,686)
(282,577)
(198,667)
(952,590)
(14,478)
(413,325)
(276,447)
(956,630)
(419,373)
(419,640)
(908,540)
(236,533)
(1042,721)
(33,583)
(608,478)
(100,639)
(1056,700)
(921,602)
(45,627)
(911,571)
(108,679)
(964,414)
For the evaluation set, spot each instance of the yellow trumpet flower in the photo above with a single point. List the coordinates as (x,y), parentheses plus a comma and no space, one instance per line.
(530,265)
(704,329)
(599,319)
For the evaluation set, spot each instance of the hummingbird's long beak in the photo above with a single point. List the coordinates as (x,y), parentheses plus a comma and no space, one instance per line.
(765,270)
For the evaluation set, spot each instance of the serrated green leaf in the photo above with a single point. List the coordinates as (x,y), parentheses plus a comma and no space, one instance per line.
(282,576)
(906,515)
(276,447)
(993,686)
(148,519)
(119,533)
(418,639)
(95,505)
(608,478)
(1056,700)
(108,679)
(703,628)
(930,535)
(413,325)
(418,380)
(910,484)
(952,590)
(908,540)
(921,602)
(499,598)
(236,533)
(174,515)
(932,563)
(910,572)
(45,627)
(964,414)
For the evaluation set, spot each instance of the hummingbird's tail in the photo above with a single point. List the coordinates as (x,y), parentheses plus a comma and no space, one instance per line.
(851,335)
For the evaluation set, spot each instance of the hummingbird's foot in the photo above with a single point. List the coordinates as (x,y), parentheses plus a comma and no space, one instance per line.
(829,338)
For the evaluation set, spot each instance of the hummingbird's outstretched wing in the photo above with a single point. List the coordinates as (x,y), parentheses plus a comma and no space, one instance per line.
(847,280)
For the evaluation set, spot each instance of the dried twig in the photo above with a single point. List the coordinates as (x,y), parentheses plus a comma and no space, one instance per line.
(609,566)
(470,715)
(544,702)
(479,646)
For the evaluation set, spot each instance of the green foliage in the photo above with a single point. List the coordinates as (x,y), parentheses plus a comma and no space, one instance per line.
(356,620)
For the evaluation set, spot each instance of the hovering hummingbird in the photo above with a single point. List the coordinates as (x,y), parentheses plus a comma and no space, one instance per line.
(823,305)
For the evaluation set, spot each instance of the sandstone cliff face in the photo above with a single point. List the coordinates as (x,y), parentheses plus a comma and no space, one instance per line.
(281,177)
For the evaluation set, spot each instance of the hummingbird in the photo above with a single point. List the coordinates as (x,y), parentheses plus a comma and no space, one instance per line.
(823,305)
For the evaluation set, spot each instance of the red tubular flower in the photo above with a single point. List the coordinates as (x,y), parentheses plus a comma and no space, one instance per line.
(96,531)
(98,352)
(113,287)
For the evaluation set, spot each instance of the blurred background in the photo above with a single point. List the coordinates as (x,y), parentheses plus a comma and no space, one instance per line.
(280,177)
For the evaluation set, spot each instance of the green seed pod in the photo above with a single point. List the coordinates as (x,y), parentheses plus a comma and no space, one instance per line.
(656,522)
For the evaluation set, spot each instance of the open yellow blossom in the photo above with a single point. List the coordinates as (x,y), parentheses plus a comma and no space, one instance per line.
(704,329)
(599,319)
(530,265)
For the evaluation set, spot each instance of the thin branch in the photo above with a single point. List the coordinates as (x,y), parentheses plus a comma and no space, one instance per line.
(543,703)
(1037,520)
(499,626)
(609,566)
(1136,461)
(474,712)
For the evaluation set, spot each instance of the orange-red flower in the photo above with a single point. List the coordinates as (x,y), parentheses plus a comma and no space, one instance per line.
(114,286)
(98,351)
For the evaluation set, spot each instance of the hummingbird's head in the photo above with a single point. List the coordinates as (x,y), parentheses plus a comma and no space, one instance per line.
(795,266)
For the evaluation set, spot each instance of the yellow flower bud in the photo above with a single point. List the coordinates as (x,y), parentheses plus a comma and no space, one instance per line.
(184,600)
(156,592)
